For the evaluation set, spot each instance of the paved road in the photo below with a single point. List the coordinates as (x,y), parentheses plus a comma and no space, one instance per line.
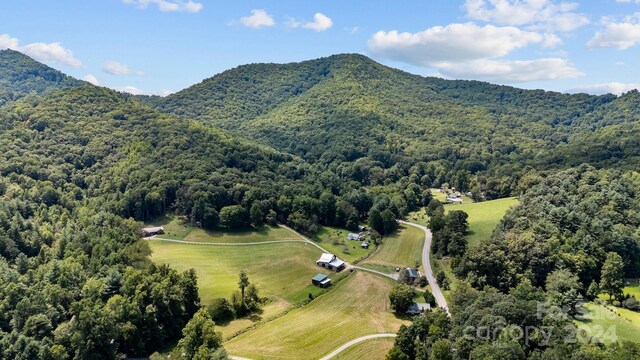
(356,341)
(426,261)
(341,348)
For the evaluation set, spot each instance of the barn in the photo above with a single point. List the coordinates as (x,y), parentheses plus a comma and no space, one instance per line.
(331,262)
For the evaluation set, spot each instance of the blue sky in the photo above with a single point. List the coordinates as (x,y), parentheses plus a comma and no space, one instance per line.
(162,46)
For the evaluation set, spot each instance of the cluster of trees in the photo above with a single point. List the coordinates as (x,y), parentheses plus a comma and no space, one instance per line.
(579,219)
(401,297)
(90,294)
(244,301)
(489,324)
(448,230)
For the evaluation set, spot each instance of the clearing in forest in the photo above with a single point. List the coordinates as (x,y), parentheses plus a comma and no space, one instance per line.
(402,249)
(357,306)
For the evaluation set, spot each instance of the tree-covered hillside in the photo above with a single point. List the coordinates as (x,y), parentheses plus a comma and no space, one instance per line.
(345,108)
(20,75)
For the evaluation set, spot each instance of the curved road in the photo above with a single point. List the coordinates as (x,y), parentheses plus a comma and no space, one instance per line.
(356,341)
(341,348)
(426,263)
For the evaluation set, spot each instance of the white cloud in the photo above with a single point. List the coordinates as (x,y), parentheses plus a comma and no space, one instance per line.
(620,35)
(454,42)
(117,68)
(137,91)
(616,88)
(7,42)
(321,22)
(548,15)
(91,79)
(258,18)
(470,51)
(510,71)
(44,52)
(168,5)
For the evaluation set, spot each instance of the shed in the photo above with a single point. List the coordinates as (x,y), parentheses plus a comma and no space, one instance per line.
(321,280)
(150,231)
(364,245)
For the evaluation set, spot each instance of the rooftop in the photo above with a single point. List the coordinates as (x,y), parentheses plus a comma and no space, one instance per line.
(320,277)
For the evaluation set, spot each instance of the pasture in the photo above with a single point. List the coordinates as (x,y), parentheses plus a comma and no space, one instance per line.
(483,216)
(177,229)
(403,248)
(375,349)
(279,271)
(355,307)
(335,240)
(609,325)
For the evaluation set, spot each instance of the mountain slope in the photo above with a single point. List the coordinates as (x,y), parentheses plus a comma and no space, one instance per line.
(20,75)
(347,108)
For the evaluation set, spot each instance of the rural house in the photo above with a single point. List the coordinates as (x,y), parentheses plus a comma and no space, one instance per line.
(321,280)
(412,274)
(151,231)
(418,308)
(331,262)
(354,236)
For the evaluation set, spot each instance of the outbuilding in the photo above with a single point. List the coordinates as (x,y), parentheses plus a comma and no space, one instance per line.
(331,262)
(321,280)
(151,231)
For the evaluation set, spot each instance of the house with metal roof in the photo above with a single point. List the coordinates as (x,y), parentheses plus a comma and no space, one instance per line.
(418,308)
(354,236)
(321,280)
(412,274)
(331,262)
(150,231)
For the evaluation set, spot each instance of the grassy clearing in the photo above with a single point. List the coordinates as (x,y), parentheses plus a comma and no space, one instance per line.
(483,217)
(375,349)
(402,249)
(609,324)
(335,240)
(278,270)
(177,229)
(632,289)
(264,233)
(357,306)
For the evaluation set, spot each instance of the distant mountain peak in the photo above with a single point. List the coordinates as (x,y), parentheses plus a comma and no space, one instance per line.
(20,75)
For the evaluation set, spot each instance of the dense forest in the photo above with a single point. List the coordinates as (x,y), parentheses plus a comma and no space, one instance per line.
(370,122)
(337,141)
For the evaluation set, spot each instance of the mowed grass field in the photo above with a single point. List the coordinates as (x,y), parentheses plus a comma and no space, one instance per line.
(278,270)
(483,216)
(375,349)
(357,306)
(335,240)
(176,229)
(401,249)
(610,325)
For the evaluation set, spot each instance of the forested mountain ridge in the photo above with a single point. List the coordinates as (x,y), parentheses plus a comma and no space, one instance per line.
(20,75)
(347,108)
